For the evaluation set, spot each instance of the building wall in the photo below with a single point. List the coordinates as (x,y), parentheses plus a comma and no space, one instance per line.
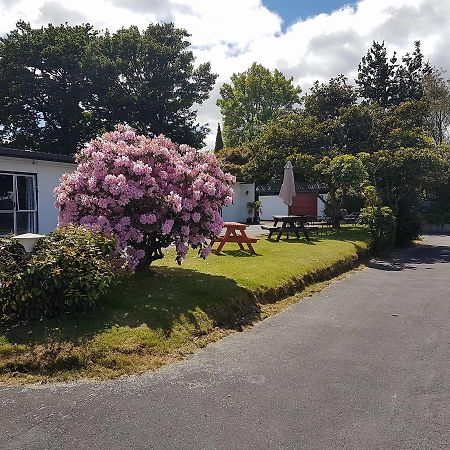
(321,206)
(272,205)
(304,204)
(237,212)
(48,174)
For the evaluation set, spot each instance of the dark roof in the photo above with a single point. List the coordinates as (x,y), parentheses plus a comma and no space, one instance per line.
(30,154)
(274,189)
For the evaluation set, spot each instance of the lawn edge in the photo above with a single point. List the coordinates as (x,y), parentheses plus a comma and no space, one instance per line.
(270,301)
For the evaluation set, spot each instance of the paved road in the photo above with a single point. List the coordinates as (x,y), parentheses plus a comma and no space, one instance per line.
(362,365)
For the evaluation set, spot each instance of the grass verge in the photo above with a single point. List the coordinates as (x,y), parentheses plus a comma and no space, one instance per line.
(160,316)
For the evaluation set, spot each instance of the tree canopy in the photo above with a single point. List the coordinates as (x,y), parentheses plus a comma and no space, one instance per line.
(251,99)
(386,81)
(61,86)
(326,99)
(437,96)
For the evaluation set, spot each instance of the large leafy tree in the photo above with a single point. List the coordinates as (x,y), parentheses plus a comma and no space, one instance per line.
(344,174)
(295,136)
(154,84)
(60,86)
(325,100)
(49,85)
(437,97)
(402,177)
(251,99)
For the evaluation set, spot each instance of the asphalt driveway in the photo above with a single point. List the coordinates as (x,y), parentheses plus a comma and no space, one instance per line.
(364,364)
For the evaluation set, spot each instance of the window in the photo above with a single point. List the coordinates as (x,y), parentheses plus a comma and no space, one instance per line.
(18,205)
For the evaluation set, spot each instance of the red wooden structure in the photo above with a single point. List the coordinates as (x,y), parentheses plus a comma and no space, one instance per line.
(304,204)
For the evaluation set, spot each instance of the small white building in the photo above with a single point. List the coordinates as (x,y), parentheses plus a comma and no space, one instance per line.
(238,211)
(308,201)
(27,180)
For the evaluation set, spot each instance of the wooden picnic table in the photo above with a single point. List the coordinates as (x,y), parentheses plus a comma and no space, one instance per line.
(289,224)
(235,232)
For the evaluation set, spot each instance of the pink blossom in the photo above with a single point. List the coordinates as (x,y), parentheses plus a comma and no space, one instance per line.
(167,226)
(204,252)
(147,218)
(124,183)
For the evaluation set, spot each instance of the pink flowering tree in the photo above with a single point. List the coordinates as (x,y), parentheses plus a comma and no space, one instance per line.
(147,193)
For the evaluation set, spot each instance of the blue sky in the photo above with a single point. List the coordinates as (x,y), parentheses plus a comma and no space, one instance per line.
(292,10)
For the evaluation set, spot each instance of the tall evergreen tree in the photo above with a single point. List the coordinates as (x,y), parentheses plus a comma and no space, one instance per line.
(388,82)
(376,75)
(410,75)
(219,141)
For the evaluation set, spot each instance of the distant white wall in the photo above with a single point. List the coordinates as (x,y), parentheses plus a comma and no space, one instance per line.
(237,212)
(272,205)
(48,174)
(321,206)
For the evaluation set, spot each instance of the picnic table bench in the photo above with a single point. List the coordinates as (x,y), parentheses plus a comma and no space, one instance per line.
(319,224)
(289,224)
(235,232)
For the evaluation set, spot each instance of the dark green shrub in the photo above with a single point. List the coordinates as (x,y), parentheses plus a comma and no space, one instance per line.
(409,224)
(68,271)
(382,225)
(13,261)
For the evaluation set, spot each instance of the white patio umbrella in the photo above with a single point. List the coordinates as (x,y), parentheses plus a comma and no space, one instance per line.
(287,190)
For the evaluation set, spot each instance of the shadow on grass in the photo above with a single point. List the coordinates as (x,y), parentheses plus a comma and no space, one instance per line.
(159,298)
(292,240)
(238,253)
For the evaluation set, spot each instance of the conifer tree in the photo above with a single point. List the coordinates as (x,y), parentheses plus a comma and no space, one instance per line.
(219,140)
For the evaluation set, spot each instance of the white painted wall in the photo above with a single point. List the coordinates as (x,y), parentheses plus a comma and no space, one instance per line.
(48,174)
(237,212)
(272,205)
(321,206)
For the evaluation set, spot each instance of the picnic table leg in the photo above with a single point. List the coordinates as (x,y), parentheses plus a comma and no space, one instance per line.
(283,227)
(305,232)
(249,245)
(234,234)
(220,247)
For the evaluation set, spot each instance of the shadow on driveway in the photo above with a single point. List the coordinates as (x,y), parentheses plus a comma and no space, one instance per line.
(421,254)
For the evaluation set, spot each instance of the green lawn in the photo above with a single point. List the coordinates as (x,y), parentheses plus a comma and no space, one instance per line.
(156,317)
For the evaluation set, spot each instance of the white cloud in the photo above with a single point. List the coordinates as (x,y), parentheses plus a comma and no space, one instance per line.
(235,33)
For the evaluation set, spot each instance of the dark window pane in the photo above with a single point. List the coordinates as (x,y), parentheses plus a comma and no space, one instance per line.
(25,222)
(6,192)
(6,223)
(25,193)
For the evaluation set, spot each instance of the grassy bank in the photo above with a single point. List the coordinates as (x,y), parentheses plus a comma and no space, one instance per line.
(159,316)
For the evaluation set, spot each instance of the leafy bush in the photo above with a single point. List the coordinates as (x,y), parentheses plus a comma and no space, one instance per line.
(382,225)
(409,223)
(68,270)
(12,264)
